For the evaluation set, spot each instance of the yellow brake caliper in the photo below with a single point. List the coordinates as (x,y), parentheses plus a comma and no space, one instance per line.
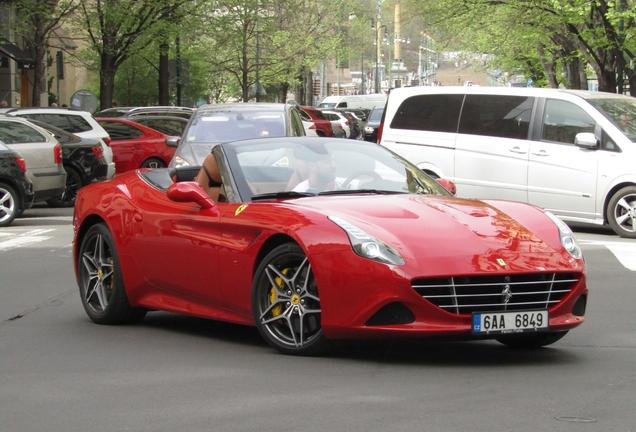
(273,296)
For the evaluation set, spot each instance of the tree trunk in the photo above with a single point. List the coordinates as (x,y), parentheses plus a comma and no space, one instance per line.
(164,76)
(549,67)
(107,81)
(38,51)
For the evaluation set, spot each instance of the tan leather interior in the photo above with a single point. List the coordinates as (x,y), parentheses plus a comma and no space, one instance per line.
(202,177)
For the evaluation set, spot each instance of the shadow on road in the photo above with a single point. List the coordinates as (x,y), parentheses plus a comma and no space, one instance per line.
(403,351)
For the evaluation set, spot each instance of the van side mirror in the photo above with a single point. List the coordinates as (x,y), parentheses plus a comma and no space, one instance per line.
(586,140)
(447,184)
(173,141)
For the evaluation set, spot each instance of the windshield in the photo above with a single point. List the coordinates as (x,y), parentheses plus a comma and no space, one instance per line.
(290,167)
(376,115)
(621,111)
(214,126)
(327,105)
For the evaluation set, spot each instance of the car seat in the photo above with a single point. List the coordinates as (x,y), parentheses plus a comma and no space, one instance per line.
(209,178)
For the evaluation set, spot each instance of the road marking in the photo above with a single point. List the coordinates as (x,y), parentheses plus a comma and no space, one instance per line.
(625,252)
(24,239)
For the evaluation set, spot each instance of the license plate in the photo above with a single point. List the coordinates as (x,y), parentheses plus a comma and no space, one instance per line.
(510,322)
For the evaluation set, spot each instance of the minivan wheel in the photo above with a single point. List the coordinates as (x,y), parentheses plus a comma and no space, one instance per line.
(621,212)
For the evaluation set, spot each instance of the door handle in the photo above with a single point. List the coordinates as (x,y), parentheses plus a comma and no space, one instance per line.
(517,149)
(541,152)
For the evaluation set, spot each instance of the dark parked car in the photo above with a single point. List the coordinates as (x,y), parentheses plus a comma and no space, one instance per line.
(16,190)
(371,129)
(83,160)
(169,125)
(129,112)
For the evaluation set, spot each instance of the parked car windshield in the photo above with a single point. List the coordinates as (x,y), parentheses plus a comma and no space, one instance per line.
(322,166)
(213,126)
(622,112)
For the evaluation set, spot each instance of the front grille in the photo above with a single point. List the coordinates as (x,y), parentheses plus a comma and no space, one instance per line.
(468,294)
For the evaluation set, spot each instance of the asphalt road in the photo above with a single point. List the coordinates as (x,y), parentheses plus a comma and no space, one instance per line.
(60,372)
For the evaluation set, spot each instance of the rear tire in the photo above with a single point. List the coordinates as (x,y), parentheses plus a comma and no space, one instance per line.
(101,284)
(9,205)
(621,212)
(532,341)
(68,196)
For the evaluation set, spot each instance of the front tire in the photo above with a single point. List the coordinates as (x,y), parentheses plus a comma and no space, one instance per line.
(100,280)
(68,196)
(532,341)
(286,304)
(9,205)
(621,212)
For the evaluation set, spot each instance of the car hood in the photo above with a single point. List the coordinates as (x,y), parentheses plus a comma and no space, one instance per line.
(194,153)
(428,228)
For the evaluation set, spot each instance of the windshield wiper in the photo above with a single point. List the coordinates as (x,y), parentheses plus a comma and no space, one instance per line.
(285,194)
(361,191)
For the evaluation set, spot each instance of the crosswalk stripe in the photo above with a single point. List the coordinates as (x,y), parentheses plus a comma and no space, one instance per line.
(27,238)
(625,252)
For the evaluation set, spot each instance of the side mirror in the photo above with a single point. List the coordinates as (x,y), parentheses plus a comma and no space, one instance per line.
(190,191)
(448,185)
(586,140)
(173,141)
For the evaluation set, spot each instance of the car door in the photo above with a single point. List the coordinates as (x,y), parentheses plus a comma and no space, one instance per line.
(561,175)
(491,156)
(176,247)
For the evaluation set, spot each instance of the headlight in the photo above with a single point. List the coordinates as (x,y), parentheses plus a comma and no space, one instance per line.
(368,129)
(567,238)
(180,162)
(367,246)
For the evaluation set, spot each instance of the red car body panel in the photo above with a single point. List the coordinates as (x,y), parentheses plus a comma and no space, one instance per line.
(130,154)
(183,258)
(321,123)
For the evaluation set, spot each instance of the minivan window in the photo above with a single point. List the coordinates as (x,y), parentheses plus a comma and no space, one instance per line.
(496,116)
(622,112)
(562,120)
(437,113)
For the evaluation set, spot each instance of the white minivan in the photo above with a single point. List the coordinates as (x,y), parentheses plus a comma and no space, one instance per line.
(369,101)
(571,152)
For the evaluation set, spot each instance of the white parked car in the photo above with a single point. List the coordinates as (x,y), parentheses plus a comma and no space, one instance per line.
(80,123)
(310,128)
(570,152)
(41,152)
(335,116)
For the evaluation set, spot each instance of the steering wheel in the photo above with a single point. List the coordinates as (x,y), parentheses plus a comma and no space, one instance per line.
(355,175)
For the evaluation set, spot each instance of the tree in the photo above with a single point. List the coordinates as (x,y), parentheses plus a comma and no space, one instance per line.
(35,20)
(120,29)
(598,32)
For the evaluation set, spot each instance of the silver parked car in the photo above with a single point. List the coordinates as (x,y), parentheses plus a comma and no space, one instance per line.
(41,152)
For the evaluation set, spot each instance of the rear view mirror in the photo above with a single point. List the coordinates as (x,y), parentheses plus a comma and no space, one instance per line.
(190,191)
(448,185)
(586,140)
(173,141)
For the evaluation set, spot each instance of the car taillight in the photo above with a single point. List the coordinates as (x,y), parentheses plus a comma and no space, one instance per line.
(346,122)
(313,126)
(99,151)
(107,141)
(21,163)
(380,129)
(57,152)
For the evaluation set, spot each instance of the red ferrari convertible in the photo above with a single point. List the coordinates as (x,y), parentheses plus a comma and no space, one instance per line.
(318,239)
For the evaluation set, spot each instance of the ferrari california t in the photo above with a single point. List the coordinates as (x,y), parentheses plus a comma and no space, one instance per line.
(317,239)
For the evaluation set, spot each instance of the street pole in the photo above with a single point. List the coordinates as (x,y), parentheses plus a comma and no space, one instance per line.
(377,53)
